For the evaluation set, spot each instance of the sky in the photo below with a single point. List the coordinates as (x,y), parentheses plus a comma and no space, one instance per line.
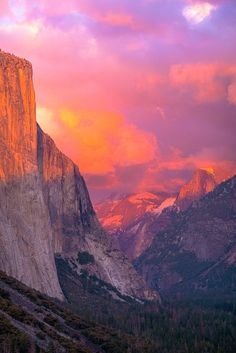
(139,93)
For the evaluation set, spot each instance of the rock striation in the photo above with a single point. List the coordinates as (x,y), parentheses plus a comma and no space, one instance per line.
(45,209)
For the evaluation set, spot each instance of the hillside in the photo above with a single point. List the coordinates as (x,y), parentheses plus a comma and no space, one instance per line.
(31,322)
(198,250)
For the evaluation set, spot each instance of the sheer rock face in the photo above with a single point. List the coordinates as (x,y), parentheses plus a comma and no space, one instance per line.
(45,208)
(75,225)
(25,232)
(198,250)
(66,195)
(201,183)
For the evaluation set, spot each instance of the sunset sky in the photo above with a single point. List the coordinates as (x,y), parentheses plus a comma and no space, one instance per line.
(138,93)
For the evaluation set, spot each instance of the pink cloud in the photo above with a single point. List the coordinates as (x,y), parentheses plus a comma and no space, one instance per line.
(210,81)
(170,173)
(117,19)
(232,92)
(139,61)
(53,7)
(4,8)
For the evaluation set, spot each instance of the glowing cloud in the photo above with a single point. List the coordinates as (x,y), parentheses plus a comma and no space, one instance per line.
(98,141)
(198,12)
(211,81)
(170,77)
(30,28)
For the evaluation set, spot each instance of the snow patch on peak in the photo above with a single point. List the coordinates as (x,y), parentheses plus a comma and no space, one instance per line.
(112,221)
(166,203)
(143,197)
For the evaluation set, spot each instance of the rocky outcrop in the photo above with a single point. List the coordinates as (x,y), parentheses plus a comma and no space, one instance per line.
(198,250)
(25,231)
(76,229)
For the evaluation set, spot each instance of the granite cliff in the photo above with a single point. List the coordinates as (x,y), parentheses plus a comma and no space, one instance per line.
(45,209)
(25,231)
(202,182)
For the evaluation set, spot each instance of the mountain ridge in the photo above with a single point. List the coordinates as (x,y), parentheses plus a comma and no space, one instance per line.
(135,219)
(198,249)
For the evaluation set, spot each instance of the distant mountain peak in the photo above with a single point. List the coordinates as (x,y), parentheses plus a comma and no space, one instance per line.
(210,170)
(202,182)
(204,172)
(136,218)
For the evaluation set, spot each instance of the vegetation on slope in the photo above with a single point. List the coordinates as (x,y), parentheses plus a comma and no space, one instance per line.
(40,324)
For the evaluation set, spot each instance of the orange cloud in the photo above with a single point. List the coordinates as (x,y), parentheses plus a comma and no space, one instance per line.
(211,81)
(99,141)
